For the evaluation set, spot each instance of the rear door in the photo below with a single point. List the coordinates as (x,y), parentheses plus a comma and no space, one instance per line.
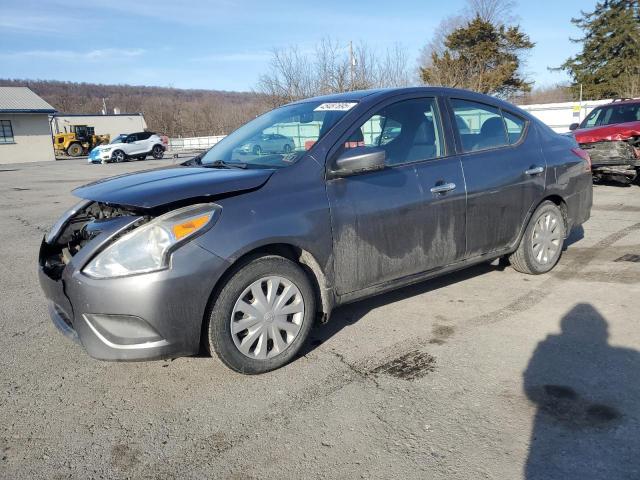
(504,171)
(407,218)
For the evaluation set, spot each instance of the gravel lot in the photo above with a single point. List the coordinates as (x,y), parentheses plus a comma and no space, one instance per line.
(486,373)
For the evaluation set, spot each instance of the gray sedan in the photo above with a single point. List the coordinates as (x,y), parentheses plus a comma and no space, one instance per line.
(243,255)
(268,143)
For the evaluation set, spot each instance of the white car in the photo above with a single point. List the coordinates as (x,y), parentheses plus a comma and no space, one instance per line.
(126,146)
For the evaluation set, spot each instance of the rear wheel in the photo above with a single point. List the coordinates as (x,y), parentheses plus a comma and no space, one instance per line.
(118,156)
(262,316)
(541,245)
(157,152)
(75,150)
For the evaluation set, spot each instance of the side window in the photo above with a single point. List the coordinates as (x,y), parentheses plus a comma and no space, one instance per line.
(515,126)
(143,136)
(408,131)
(483,127)
(591,119)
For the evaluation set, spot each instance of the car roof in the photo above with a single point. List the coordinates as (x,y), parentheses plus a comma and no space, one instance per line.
(623,101)
(373,95)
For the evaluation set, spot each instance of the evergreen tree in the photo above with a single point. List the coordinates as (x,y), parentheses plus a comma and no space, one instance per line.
(480,56)
(609,64)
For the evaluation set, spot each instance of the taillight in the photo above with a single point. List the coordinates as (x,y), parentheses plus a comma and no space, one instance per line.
(583,155)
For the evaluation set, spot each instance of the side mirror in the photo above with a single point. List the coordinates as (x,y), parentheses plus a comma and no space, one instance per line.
(574,126)
(359,160)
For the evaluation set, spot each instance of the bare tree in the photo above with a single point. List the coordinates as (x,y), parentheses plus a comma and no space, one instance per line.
(329,68)
(492,11)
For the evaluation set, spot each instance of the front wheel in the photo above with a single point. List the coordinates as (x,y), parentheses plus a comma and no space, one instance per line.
(541,245)
(118,156)
(261,316)
(75,150)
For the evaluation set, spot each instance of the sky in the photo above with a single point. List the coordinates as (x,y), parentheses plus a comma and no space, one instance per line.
(226,45)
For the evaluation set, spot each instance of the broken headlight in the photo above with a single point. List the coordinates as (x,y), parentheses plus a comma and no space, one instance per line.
(148,247)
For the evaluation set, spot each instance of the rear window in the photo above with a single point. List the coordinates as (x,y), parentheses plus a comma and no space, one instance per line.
(515,126)
(480,126)
(483,127)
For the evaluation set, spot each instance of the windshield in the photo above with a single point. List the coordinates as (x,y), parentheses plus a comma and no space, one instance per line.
(621,113)
(279,137)
(118,139)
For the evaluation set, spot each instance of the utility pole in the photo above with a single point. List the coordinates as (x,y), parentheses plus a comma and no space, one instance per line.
(352,64)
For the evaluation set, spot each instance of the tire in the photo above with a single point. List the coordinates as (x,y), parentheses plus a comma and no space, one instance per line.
(257,150)
(141,157)
(259,337)
(541,245)
(118,156)
(157,152)
(75,150)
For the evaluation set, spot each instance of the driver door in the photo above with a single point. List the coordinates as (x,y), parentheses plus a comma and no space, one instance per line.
(130,147)
(402,220)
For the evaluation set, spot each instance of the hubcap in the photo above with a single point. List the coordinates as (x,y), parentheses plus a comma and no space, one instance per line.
(547,238)
(267,317)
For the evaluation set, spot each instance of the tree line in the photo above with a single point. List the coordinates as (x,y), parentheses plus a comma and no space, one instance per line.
(171,111)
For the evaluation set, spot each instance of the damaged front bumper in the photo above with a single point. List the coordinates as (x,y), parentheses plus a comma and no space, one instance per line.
(614,159)
(139,317)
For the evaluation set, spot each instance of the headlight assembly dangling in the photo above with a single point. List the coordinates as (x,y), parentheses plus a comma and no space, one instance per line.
(148,247)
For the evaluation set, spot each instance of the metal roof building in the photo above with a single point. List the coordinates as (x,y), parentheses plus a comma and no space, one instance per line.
(25,133)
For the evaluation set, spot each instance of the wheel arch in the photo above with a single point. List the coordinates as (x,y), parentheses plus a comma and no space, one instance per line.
(551,197)
(306,260)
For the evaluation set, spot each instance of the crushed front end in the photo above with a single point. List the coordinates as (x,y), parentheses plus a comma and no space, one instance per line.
(133,317)
(614,151)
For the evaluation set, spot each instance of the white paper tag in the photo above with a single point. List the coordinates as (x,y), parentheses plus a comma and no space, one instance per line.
(335,107)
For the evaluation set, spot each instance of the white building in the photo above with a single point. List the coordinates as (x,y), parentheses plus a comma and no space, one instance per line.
(560,115)
(25,134)
(110,124)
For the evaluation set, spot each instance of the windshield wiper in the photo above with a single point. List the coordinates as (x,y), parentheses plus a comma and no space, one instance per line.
(223,164)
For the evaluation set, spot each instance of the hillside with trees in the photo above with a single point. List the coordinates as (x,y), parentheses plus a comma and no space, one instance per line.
(171,111)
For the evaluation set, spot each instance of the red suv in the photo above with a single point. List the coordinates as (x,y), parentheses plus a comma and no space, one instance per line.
(611,136)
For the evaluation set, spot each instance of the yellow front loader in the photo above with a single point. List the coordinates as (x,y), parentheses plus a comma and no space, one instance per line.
(79,141)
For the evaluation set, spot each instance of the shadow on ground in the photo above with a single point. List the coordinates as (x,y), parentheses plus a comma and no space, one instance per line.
(587,395)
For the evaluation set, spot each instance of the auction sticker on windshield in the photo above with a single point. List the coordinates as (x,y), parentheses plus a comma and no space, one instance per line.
(335,107)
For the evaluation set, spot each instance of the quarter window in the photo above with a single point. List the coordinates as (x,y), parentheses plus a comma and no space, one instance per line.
(408,131)
(480,126)
(515,126)
(6,131)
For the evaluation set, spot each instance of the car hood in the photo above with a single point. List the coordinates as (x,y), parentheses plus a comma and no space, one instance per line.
(610,133)
(153,188)
(108,146)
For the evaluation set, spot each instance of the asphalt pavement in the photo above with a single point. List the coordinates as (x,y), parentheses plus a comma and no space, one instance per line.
(485,373)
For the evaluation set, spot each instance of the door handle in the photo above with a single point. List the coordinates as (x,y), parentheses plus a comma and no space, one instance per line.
(534,171)
(444,188)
